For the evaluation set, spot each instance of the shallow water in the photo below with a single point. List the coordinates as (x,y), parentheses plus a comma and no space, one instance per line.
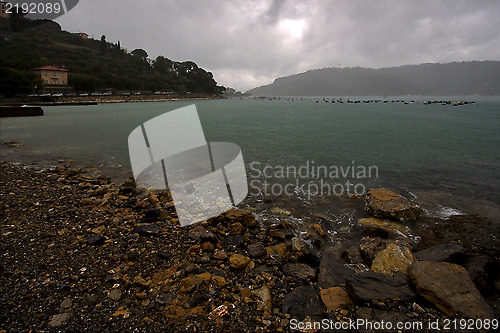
(446,157)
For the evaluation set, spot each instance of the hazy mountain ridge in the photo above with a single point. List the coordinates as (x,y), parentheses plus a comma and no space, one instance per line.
(458,78)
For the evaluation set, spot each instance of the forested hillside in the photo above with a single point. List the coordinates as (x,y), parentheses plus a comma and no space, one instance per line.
(92,63)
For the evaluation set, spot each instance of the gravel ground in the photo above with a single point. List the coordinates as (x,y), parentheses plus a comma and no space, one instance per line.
(81,254)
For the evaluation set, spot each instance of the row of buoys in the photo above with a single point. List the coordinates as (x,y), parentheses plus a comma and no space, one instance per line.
(366,101)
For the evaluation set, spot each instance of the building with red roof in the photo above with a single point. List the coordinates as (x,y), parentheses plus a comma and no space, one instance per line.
(52,75)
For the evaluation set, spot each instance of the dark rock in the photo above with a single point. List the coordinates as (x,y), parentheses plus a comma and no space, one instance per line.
(450,288)
(299,272)
(201,234)
(372,316)
(384,203)
(236,229)
(332,272)
(352,256)
(257,250)
(239,215)
(95,240)
(443,252)
(59,320)
(302,302)
(372,287)
(369,247)
(232,242)
(147,229)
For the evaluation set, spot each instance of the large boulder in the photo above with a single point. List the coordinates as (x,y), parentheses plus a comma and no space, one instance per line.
(450,288)
(444,252)
(384,203)
(332,272)
(302,302)
(370,287)
(393,259)
(389,226)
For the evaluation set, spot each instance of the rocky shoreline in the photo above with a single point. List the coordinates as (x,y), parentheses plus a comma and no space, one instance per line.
(92,100)
(80,253)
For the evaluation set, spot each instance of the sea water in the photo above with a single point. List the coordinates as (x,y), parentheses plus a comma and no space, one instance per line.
(446,157)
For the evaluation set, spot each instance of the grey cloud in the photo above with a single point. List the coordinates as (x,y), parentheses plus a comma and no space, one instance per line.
(249,43)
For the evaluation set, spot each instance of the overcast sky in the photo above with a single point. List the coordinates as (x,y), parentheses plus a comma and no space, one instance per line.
(250,43)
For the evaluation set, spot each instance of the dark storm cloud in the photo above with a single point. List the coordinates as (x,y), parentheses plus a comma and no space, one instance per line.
(249,43)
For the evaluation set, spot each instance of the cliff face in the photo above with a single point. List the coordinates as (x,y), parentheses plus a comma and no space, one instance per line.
(464,78)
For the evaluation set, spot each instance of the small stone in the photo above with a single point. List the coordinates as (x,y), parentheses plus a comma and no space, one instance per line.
(239,261)
(219,281)
(115,294)
(140,281)
(219,254)
(335,298)
(59,319)
(319,229)
(298,245)
(236,229)
(67,303)
(299,272)
(257,250)
(95,240)
(280,211)
(147,229)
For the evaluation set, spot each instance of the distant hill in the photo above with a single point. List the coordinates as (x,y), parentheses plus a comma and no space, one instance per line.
(92,63)
(463,78)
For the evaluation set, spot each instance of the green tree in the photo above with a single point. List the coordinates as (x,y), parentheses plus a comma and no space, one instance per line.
(139,53)
(14,82)
(83,82)
(38,83)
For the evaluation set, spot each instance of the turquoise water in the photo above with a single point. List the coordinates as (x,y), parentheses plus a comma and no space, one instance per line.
(446,156)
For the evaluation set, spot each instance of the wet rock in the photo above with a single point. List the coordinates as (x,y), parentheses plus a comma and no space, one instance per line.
(389,226)
(319,230)
(239,261)
(369,247)
(392,259)
(95,240)
(58,320)
(444,252)
(245,217)
(352,256)
(299,246)
(335,298)
(302,302)
(280,211)
(257,250)
(332,272)
(147,229)
(384,203)
(373,287)
(450,288)
(299,272)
